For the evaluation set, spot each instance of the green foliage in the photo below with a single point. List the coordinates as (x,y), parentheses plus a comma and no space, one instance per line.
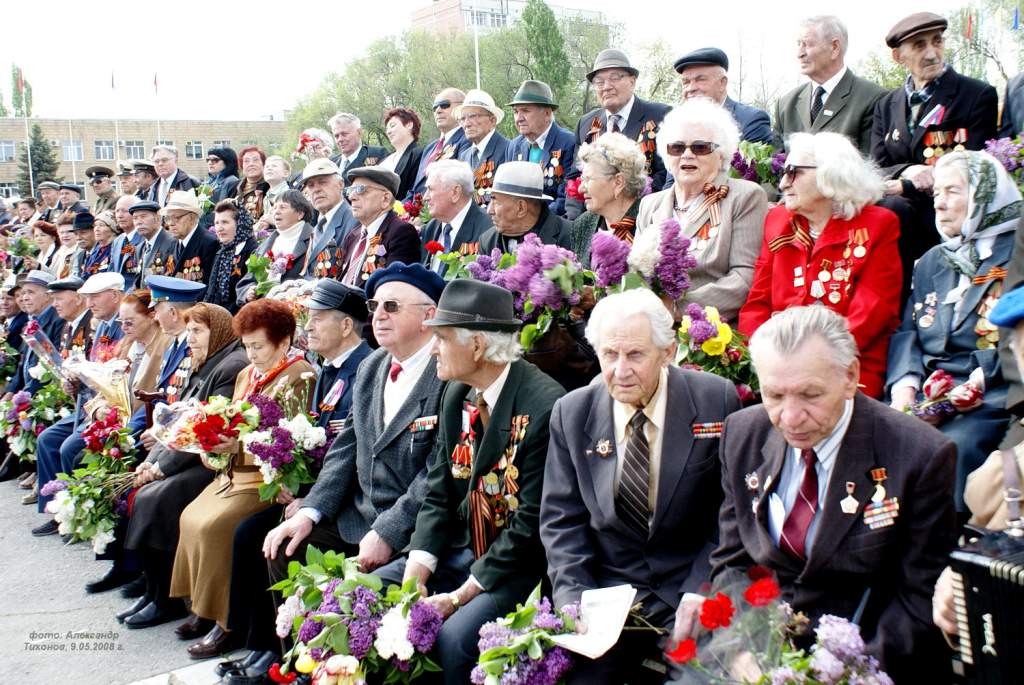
(3,107)
(548,60)
(658,78)
(44,162)
(879,67)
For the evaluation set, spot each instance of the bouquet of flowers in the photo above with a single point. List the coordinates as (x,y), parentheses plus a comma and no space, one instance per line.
(518,648)
(8,361)
(572,189)
(943,398)
(288,452)
(706,343)
(43,348)
(756,644)
(413,208)
(198,427)
(345,628)
(23,247)
(20,427)
(1010,153)
(658,260)
(294,294)
(268,270)
(758,162)
(204,193)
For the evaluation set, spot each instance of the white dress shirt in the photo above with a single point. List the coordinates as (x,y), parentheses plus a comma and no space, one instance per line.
(348,159)
(624,113)
(542,139)
(482,145)
(828,86)
(164,189)
(371,231)
(456,224)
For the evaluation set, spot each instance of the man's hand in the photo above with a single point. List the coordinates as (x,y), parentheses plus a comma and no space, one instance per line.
(297,528)
(943,614)
(903,397)
(147,440)
(893,187)
(373,552)
(293,507)
(420,572)
(921,176)
(687,619)
(443,603)
(285,496)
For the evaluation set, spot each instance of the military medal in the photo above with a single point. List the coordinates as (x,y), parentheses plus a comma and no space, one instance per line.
(878,475)
(926,321)
(824,275)
(849,504)
(752,481)
(882,513)
(834,297)
(462,460)
(839,274)
(960,137)
(798,277)
(817,290)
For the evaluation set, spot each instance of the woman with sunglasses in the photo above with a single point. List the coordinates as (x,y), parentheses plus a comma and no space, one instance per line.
(723,217)
(827,243)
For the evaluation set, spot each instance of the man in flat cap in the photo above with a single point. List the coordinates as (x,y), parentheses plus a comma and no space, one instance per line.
(705,73)
(348,135)
(936,111)
(85,239)
(458,222)
(126,178)
(381,237)
(451,141)
(156,251)
(70,195)
(519,206)
(49,200)
(194,248)
(37,301)
(834,98)
(101,180)
(541,140)
(487,149)
(476,544)
(145,178)
(621,111)
(323,185)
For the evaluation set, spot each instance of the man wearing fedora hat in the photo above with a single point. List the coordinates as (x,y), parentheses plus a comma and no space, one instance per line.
(85,239)
(519,206)
(194,248)
(476,544)
(541,140)
(101,180)
(488,149)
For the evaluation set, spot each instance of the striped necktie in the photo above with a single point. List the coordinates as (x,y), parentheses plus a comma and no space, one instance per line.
(633,504)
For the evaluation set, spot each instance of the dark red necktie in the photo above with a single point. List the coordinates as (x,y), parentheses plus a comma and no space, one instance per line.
(794,531)
(436,152)
(396,369)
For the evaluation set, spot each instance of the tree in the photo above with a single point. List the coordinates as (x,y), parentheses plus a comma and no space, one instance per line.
(658,78)
(879,67)
(3,108)
(44,162)
(21,93)
(547,59)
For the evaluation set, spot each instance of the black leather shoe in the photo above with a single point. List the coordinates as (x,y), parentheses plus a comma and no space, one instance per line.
(154,614)
(254,674)
(48,528)
(136,607)
(238,665)
(217,641)
(134,589)
(113,578)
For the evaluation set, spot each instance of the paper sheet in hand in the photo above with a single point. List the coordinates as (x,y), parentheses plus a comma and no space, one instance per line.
(604,613)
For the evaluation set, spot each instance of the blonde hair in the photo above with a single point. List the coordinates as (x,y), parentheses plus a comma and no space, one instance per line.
(621,155)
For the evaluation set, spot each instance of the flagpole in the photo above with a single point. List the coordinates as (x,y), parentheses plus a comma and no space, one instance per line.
(117,136)
(156,95)
(71,141)
(28,152)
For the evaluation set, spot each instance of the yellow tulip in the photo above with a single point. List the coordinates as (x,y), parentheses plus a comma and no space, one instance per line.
(398,207)
(305,663)
(725,333)
(713,347)
(684,325)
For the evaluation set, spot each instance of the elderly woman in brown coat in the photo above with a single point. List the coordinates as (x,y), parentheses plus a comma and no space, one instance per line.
(722,216)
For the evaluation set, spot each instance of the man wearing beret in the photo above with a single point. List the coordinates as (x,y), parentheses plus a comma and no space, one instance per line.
(476,543)
(101,180)
(936,111)
(705,73)
(541,140)
(381,238)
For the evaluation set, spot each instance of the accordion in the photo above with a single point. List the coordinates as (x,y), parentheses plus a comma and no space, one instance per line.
(988,595)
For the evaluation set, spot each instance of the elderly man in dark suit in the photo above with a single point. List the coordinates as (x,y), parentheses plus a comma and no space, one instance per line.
(157,244)
(348,134)
(519,206)
(458,222)
(626,475)
(449,144)
(704,74)
(323,183)
(487,149)
(194,246)
(541,140)
(848,501)
(834,99)
(476,542)
(169,177)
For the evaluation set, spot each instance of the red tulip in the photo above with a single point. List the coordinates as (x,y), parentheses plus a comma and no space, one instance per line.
(278,677)
(938,384)
(966,396)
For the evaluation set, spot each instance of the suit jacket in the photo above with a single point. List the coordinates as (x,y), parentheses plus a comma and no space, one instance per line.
(399,240)
(551,228)
(182,181)
(51,325)
(306,264)
(1011,121)
(374,476)
(896,565)
(124,256)
(514,560)
(556,160)
(195,261)
(333,380)
(77,339)
(755,124)
(13,327)
(849,109)
(158,260)
(465,240)
(725,268)
(341,225)
(969,104)
(368,155)
(407,168)
(495,154)
(587,545)
(1011,374)
(450,150)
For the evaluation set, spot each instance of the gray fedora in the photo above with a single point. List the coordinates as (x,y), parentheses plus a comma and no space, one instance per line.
(534,93)
(612,58)
(476,305)
(522,179)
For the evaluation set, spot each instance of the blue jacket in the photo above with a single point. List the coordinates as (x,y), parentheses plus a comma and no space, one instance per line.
(332,380)
(125,261)
(496,153)
(755,124)
(51,325)
(556,160)
(451,150)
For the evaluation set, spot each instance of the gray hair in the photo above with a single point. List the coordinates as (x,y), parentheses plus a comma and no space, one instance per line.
(325,138)
(787,331)
(959,160)
(621,155)
(701,112)
(499,347)
(127,201)
(844,176)
(452,172)
(344,117)
(169,148)
(628,303)
(829,28)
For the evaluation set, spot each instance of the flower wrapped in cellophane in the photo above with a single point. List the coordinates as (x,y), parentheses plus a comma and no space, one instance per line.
(943,398)
(706,343)
(108,379)
(198,427)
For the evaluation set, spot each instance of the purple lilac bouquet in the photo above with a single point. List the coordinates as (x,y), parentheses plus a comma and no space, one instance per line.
(758,162)
(1010,153)
(662,259)
(706,343)
(519,649)
(289,451)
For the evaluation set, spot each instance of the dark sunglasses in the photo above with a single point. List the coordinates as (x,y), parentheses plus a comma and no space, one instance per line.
(98,180)
(699,148)
(441,104)
(391,306)
(791,170)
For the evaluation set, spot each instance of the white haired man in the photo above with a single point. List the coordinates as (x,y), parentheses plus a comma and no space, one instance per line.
(348,134)
(632,482)
(458,222)
(848,501)
(168,176)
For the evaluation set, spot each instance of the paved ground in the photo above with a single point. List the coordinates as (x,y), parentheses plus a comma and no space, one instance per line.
(44,607)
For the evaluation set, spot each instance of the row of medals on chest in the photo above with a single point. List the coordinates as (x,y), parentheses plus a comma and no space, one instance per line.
(836,276)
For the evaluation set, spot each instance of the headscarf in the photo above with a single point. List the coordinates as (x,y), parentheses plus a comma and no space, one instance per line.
(220,280)
(993,207)
(230,159)
(221,333)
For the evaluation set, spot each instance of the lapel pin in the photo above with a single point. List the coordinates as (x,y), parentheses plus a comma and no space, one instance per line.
(827,112)
(604,448)
(878,475)
(752,481)
(849,504)
(896,134)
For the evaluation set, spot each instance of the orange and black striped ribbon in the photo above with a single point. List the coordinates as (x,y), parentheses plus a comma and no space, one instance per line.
(996,273)
(481,522)
(798,235)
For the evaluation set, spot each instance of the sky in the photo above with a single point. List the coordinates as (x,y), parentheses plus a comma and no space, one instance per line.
(252,59)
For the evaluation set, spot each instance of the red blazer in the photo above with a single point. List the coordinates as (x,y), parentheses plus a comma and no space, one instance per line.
(862,261)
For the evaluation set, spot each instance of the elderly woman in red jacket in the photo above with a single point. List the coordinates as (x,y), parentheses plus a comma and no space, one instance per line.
(829,244)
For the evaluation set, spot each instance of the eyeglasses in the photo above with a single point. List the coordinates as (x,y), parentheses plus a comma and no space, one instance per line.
(359,189)
(611,79)
(213,160)
(471,116)
(698,147)
(791,170)
(392,306)
(441,104)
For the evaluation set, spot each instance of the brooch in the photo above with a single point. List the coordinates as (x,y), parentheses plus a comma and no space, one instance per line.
(604,448)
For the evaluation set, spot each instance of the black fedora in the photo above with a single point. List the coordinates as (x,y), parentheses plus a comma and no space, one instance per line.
(476,305)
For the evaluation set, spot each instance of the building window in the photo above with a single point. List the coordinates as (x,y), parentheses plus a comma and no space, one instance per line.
(8,189)
(194,149)
(103,149)
(134,149)
(7,150)
(73,151)
(246,143)
(222,143)
(169,143)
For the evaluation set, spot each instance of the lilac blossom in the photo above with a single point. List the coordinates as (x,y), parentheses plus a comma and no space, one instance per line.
(786,676)
(826,666)
(424,625)
(482,269)
(52,488)
(1006,151)
(309,629)
(361,634)
(675,261)
(608,257)
(544,292)
(701,331)
(840,637)
(695,312)
(270,411)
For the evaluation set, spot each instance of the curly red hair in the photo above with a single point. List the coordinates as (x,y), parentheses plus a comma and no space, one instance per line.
(273,316)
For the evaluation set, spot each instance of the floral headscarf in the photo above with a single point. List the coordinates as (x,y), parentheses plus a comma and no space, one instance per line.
(220,280)
(221,333)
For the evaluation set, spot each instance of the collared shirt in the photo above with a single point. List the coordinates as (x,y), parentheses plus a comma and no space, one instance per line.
(371,231)
(165,188)
(623,114)
(78,319)
(780,503)
(448,136)
(654,429)
(348,159)
(829,85)
(543,137)
(184,242)
(456,224)
(129,236)
(328,217)
(396,391)
(340,359)
(482,145)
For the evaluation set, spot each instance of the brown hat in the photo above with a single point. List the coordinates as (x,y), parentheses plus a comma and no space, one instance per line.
(916,23)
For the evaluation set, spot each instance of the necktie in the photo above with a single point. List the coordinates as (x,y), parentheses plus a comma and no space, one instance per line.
(536,154)
(475,158)
(178,251)
(817,103)
(446,237)
(320,225)
(634,485)
(356,259)
(917,99)
(485,413)
(615,123)
(794,531)
(436,152)
(396,369)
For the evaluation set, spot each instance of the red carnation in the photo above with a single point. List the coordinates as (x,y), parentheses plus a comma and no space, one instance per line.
(278,677)
(758,572)
(433,247)
(684,651)
(572,189)
(209,432)
(717,611)
(762,592)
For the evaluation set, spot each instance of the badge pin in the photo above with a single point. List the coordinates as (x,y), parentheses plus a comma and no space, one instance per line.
(849,504)
(752,481)
(896,134)
(878,475)
(604,448)
(926,321)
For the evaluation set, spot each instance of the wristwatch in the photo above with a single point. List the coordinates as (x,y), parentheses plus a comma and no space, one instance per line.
(454,599)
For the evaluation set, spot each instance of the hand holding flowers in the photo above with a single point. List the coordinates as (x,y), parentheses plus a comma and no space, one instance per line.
(943,398)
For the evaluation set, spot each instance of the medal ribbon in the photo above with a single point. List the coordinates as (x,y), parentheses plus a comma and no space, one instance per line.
(799,235)
(996,273)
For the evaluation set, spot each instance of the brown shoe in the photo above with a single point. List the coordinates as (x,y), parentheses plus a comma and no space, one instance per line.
(28,481)
(194,627)
(31,498)
(216,642)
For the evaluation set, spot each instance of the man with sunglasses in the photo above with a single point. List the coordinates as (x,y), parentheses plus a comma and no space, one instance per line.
(451,142)
(101,180)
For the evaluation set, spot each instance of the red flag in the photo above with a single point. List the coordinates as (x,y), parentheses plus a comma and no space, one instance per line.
(21,82)
(156,90)
(970,25)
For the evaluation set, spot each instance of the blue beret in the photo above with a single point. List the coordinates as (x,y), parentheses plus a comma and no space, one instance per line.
(1009,310)
(170,289)
(144,206)
(416,275)
(701,57)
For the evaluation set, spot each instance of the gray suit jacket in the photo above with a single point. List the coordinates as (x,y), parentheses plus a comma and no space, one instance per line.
(375,476)
(848,109)
(163,247)
(587,544)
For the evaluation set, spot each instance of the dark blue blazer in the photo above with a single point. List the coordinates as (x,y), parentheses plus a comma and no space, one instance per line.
(496,151)
(52,325)
(556,160)
(14,329)
(126,264)
(755,124)
(329,376)
(452,150)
